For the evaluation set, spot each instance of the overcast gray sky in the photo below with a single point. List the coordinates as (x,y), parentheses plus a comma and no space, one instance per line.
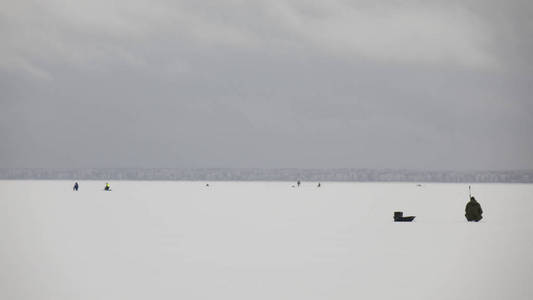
(274,83)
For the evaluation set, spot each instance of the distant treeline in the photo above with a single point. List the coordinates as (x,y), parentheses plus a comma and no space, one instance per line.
(270,175)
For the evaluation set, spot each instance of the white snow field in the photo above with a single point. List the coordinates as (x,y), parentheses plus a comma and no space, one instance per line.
(263,240)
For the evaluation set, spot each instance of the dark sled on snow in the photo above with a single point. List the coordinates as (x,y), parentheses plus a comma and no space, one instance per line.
(398,217)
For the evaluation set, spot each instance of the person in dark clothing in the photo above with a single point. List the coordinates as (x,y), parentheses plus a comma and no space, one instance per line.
(107,186)
(76,186)
(473,210)
(298,183)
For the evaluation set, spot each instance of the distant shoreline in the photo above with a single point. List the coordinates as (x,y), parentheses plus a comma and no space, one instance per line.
(223,174)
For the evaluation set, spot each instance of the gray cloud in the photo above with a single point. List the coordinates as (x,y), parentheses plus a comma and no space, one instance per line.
(402,84)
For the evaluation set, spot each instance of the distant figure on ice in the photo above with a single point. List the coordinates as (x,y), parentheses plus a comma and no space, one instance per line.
(473,210)
(107,187)
(76,186)
(318,185)
(207,184)
(298,183)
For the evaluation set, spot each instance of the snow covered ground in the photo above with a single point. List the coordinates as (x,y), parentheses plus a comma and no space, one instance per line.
(263,240)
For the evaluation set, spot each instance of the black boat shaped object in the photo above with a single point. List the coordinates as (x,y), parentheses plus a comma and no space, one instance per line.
(398,217)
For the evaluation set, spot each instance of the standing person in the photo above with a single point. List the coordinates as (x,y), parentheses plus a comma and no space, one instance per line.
(298,183)
(473,210)
(76,186)
(107,186)
(318,184)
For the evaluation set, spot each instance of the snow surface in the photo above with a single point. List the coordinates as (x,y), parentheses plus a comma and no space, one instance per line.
(263,240)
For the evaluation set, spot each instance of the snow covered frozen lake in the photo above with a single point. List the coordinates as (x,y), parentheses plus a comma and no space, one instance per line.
(263,240)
